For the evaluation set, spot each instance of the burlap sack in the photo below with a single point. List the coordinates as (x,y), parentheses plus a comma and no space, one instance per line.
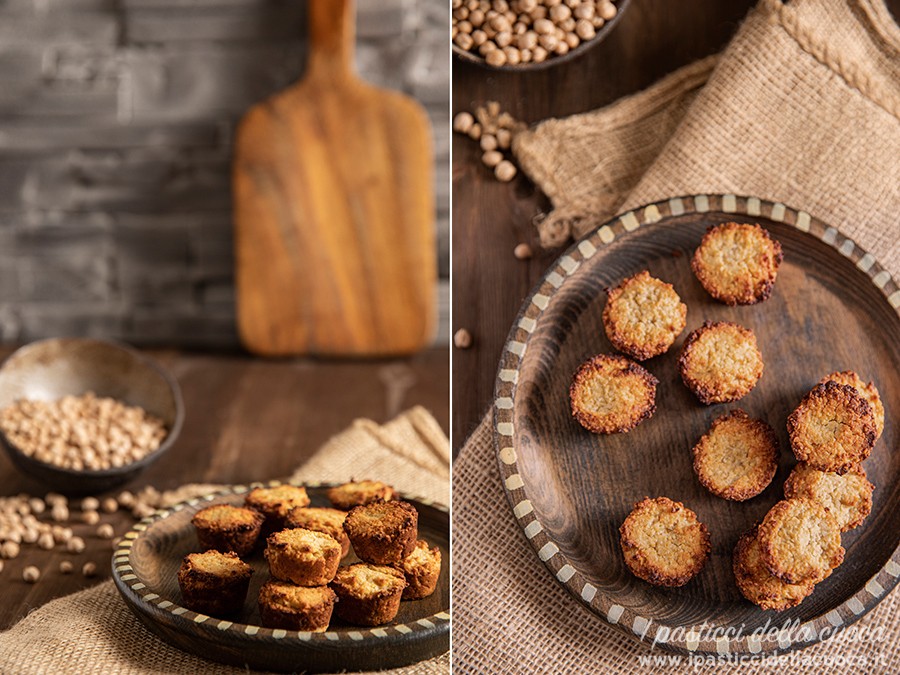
(801,108)
(94,632)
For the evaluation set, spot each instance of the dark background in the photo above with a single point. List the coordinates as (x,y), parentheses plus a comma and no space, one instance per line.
(652,38)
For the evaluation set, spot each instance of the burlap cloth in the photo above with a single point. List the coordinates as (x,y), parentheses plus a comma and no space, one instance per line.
(801,108)
(94,632)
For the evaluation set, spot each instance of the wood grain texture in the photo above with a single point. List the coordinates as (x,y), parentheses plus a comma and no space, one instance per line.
(831,309)
(334,210)
(145,572)
(247,420)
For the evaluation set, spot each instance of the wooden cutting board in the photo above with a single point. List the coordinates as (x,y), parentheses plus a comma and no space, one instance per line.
(334,210)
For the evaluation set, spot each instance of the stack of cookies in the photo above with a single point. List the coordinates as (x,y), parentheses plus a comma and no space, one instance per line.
(304,547)
(778,562)
(798,544)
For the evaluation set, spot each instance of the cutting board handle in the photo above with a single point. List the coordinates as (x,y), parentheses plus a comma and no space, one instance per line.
(332,32)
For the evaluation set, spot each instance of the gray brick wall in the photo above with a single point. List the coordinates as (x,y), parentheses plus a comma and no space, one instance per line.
(116,124)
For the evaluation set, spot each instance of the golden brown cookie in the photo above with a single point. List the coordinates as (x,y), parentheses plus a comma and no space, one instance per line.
(833,428)
(214,583)
(329,521)
(737,458)
(867,391)
(368,595)
(757,584)
(284,605)
(643,316)
(737,263)
(304,557)
(800,541)
(612,394)
(383,532)
(421,568)
(357,493)
(663,542)
(275,503)
(847,497)
(720,362)
(227,528)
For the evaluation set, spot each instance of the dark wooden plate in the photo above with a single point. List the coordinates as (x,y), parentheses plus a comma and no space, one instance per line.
(146,562)
(833,308)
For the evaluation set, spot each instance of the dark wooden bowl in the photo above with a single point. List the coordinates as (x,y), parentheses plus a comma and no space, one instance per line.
(833,308)
(472,57)
(50,369)
(146,563)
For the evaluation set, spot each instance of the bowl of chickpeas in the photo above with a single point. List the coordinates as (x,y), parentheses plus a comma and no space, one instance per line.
(82,416)
(529,34)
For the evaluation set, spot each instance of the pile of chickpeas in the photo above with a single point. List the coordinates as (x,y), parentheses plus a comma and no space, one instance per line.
(514,32)
(48,523)
(82,432)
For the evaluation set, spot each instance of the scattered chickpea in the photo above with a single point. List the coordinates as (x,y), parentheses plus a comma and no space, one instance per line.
(492,158)
(522,251)
(45,541)
(62,534)
(53,498)
(75,545)
(89,569)
(504,138)
(90,504)
(36,505)
(106,531)
(31,574)
(90,517)
(505,171)
(126,499)
(9,549)
(463,122)
(475,131)
(30,535)
(488,142)
(1,565)
(60,513)
(462,339)
(66,567)
(109,505)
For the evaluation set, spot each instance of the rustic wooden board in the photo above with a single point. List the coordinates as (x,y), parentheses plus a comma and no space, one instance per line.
(334,210)
(146,564)
(833,308)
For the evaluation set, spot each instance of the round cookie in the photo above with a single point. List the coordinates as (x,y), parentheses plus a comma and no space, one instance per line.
(847,497)
(643,316)
(800,541)
(663,542)
(612,394)
(737,458)
(867,391)
(757,584)
(833,428)
(737,263)
(720,362)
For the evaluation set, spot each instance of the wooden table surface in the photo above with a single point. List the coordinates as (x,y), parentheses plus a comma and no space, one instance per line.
(653,37)
(246,419)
